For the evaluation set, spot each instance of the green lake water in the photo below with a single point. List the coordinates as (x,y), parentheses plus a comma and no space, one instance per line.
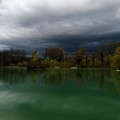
(59,94)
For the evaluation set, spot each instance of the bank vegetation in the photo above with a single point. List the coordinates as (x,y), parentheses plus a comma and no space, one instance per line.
(106,57)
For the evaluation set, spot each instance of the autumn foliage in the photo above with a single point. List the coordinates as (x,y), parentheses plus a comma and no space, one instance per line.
(107,57)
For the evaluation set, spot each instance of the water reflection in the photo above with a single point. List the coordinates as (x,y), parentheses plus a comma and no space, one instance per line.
(12,76)
(54,78)
(101,78)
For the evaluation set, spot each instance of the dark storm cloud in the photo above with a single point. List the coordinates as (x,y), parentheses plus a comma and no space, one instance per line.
(91,42)
(35,25)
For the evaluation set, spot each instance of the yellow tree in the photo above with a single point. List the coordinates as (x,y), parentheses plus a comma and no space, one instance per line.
(34,56)
(116,59)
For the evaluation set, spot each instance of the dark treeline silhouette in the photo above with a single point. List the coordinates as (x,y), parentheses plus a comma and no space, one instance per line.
(106,57)
(12,56)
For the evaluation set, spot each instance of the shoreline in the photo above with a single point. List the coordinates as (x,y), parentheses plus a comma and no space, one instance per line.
(56,68)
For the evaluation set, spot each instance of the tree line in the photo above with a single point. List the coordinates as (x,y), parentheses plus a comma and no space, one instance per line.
(106,57)
(12,56)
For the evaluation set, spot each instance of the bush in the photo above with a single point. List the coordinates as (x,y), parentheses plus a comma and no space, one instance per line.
(64,65)
(44,64)
(23,64)
(54,63)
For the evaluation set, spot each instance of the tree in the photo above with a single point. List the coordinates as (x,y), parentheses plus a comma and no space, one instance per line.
(34,56)
(87,60)
(54,54)
(107,61)
(101,52)
(92,60)
(116,59)
(79,55)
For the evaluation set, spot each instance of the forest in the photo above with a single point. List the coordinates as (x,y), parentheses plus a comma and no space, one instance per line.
(107,56)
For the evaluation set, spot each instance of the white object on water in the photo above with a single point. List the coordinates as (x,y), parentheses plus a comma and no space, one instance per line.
(117,70)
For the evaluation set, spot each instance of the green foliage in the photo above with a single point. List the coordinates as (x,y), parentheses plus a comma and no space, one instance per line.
(33,64)
(64,64)
(54,63)
(48,63)
(44,64)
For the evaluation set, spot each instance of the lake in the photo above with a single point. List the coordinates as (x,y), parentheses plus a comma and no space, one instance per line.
(59,94)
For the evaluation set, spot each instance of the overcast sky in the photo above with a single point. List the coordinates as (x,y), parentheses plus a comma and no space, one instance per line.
(37,24)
